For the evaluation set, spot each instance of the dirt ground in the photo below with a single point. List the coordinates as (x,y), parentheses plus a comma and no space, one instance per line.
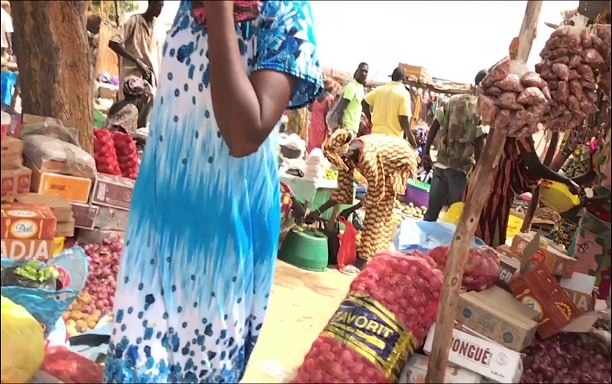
(300,305)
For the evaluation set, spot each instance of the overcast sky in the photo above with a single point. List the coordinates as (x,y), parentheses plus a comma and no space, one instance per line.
(452,39)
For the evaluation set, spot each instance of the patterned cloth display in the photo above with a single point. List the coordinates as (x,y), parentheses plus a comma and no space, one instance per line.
(202,238)
(386,162)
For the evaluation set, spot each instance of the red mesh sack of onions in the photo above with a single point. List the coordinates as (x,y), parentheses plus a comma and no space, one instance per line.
(481,270)
(104,153)
(603,32)
(127,155)
(570,60)
(512,99)
(567,358)
(387,313)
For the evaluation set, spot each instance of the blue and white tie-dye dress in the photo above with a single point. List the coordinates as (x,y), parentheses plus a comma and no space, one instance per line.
(201,244)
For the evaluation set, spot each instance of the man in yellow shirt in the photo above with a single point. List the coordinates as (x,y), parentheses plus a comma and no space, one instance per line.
(349,107)
(391,109)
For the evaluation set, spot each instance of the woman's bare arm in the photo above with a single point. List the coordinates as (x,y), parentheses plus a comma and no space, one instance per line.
(246,108)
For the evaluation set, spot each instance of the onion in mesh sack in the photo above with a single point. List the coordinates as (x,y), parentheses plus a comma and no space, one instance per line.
(569,66)
(388,311)
(512,99)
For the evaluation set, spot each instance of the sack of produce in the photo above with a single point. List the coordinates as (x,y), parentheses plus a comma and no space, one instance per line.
(512,99)
(481,269)
(46,304)
(23,343)
(570,60)
(127,155)
(104,153)
(103,261)
(70,367)
(387,313)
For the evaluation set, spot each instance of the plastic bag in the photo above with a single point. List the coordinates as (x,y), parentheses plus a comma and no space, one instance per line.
(420,235)
(332,116)
(70,367)
(348,244)
(54,155)
(23,343)
(48,305)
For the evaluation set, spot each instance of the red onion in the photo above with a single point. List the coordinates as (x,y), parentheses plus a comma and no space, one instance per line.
(567,358)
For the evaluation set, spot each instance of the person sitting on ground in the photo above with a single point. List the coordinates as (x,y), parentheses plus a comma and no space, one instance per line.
(391,111)
(123,114)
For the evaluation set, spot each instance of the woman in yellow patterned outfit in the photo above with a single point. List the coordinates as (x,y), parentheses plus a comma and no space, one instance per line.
(385,162)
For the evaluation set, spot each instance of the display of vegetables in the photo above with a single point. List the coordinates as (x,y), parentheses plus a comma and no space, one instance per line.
(570,59)
(104,153)
(409,210)
(387,312)
(82,315)
(331,174)
(103,267)
(567,358)
(512,99)
(127,155)
(32,275)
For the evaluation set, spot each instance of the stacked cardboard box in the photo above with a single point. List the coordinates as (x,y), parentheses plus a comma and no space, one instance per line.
(15,177)
(27,231)
(62,210)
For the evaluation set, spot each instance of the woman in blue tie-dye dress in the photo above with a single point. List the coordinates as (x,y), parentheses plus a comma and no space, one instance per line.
(202,238)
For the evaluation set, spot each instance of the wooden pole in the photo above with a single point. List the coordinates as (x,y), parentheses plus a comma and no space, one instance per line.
(476,197)
(535,197)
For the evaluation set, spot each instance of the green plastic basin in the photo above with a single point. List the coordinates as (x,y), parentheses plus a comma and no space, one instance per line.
(306,249)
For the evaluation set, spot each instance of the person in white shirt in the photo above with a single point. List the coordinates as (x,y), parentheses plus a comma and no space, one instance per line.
(7,29)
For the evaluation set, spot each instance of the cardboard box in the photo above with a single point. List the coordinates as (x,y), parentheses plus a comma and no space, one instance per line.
(579,288)
(486,358)
(84,215)
(65,229)
(27,221)
(556,260)
(112,219)
(497,315)
(71,188)
(61,208)
(415,371)
(15,182)
(11,150)
(540,290)
(23,250)
(509,265)
(112,191)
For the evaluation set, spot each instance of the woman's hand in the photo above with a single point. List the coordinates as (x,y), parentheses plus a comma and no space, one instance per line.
(573,187)
(312,216)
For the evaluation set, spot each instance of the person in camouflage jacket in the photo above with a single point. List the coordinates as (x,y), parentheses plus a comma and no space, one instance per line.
(459,140)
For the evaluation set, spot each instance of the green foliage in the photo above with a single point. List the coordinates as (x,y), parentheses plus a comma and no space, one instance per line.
(108,7)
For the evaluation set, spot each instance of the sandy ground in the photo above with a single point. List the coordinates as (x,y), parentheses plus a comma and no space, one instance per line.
(301,304)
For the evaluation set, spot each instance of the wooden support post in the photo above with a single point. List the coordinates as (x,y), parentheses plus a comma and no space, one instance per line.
(535,197)
(477,194)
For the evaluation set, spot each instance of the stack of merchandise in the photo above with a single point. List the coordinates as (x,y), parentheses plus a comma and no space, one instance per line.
(317,166)
(524,315)
(62,210)
(15,177)
(28,231)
